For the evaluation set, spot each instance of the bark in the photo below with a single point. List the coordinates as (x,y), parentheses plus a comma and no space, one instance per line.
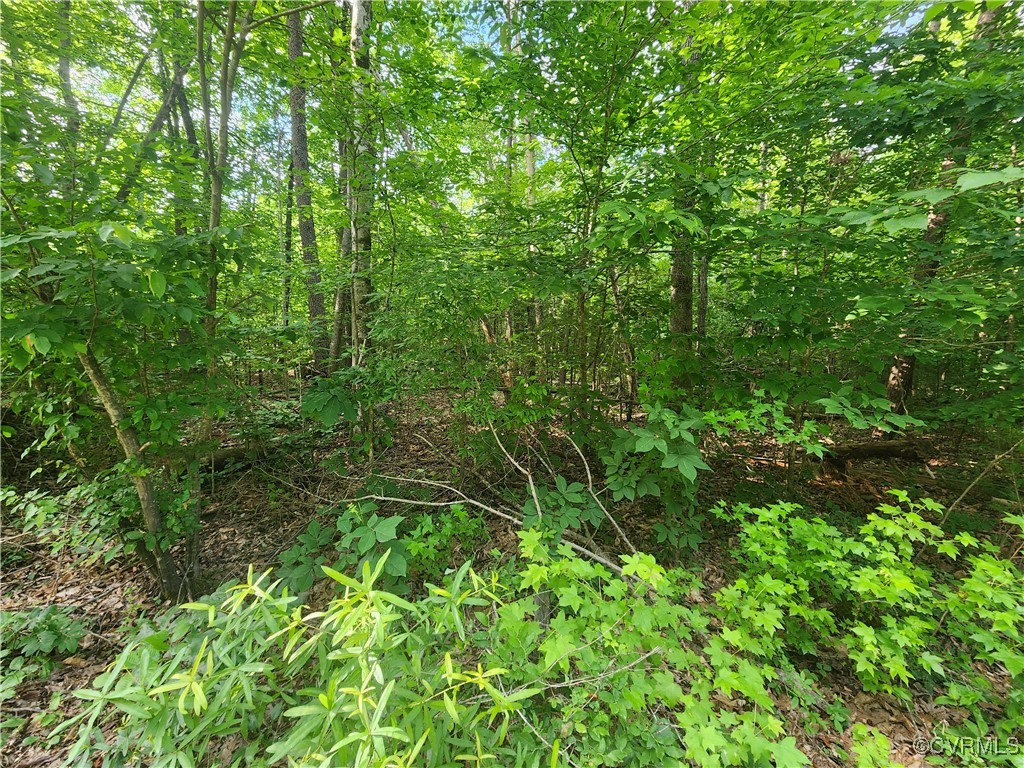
(286,296)
(362,182)
(837,462)
(112,130)
(74,116)
(702,296)
(681,294)
(581,337)
(156,557)
(155,127)
(628,348)
(303,198)
(341,333)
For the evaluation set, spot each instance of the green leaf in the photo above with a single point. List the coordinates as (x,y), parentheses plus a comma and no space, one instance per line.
(387,530)
(157,283)
(122,233)
(787,754)
(975,179)
(41,344)
(917,221)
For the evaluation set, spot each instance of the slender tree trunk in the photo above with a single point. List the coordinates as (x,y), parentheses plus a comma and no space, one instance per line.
(74,117)
(341,335)
(217,159)
(303,198)
(153,554)
(581,337)
(628,348)
(155,127)
(681,307)
(702,296)
(341,332)
(681,295)
(362,182)
(286,296)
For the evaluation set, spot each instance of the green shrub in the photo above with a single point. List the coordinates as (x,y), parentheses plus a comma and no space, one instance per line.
(902,617)
(33,640)
(621,673)
(433,543)
(564,661)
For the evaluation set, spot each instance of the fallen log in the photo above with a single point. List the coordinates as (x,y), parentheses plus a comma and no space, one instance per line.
(236,456)
(836,463)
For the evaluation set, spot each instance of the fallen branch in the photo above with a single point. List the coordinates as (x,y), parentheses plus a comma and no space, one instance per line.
(837,462)
(504,514)
(992,464)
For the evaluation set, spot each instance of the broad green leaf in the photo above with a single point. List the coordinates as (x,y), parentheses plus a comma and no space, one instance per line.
(157,283)
(917,221)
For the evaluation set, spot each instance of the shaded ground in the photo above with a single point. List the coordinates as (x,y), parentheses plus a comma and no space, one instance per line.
(253,514)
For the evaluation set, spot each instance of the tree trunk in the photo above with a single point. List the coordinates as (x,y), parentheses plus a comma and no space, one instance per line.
(628,348)
(286,297)
(341,333)
(155,556)
(681,295)
(303,198)
(217,159)
(362,182)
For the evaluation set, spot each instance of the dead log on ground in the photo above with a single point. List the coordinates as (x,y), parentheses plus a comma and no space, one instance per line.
(836,463)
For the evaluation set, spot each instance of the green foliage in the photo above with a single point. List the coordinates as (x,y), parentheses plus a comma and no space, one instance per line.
(34,640)
(567,506)
(371,680)
(443,539)
(633,671)
(94,519)
(870,748)
(804,583)
(358,535)
(364,535)
(331,400)
(580,217)
(628,676)
(40,632)
(660,459)
(301,562)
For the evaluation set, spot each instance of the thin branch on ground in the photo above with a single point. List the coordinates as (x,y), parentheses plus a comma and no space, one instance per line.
(992,464)
(593,495)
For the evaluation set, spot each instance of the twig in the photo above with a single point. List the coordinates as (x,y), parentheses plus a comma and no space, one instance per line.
(590,489)
(517,465)
(497,512)
(984,472)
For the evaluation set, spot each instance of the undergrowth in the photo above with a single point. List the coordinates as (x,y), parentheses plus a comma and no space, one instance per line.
(557,660)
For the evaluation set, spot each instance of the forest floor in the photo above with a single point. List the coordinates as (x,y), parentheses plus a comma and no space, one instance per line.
(253,514)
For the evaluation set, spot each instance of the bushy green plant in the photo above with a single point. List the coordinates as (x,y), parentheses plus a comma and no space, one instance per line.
(371,680)
(92,519)
(363,532)
(40,631)
(300,563)
(33,641)
(803,583)
(357,535)
(566,506)
(621,673)
(660,459)
(432,544)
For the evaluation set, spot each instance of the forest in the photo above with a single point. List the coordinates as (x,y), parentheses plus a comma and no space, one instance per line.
(538,383)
